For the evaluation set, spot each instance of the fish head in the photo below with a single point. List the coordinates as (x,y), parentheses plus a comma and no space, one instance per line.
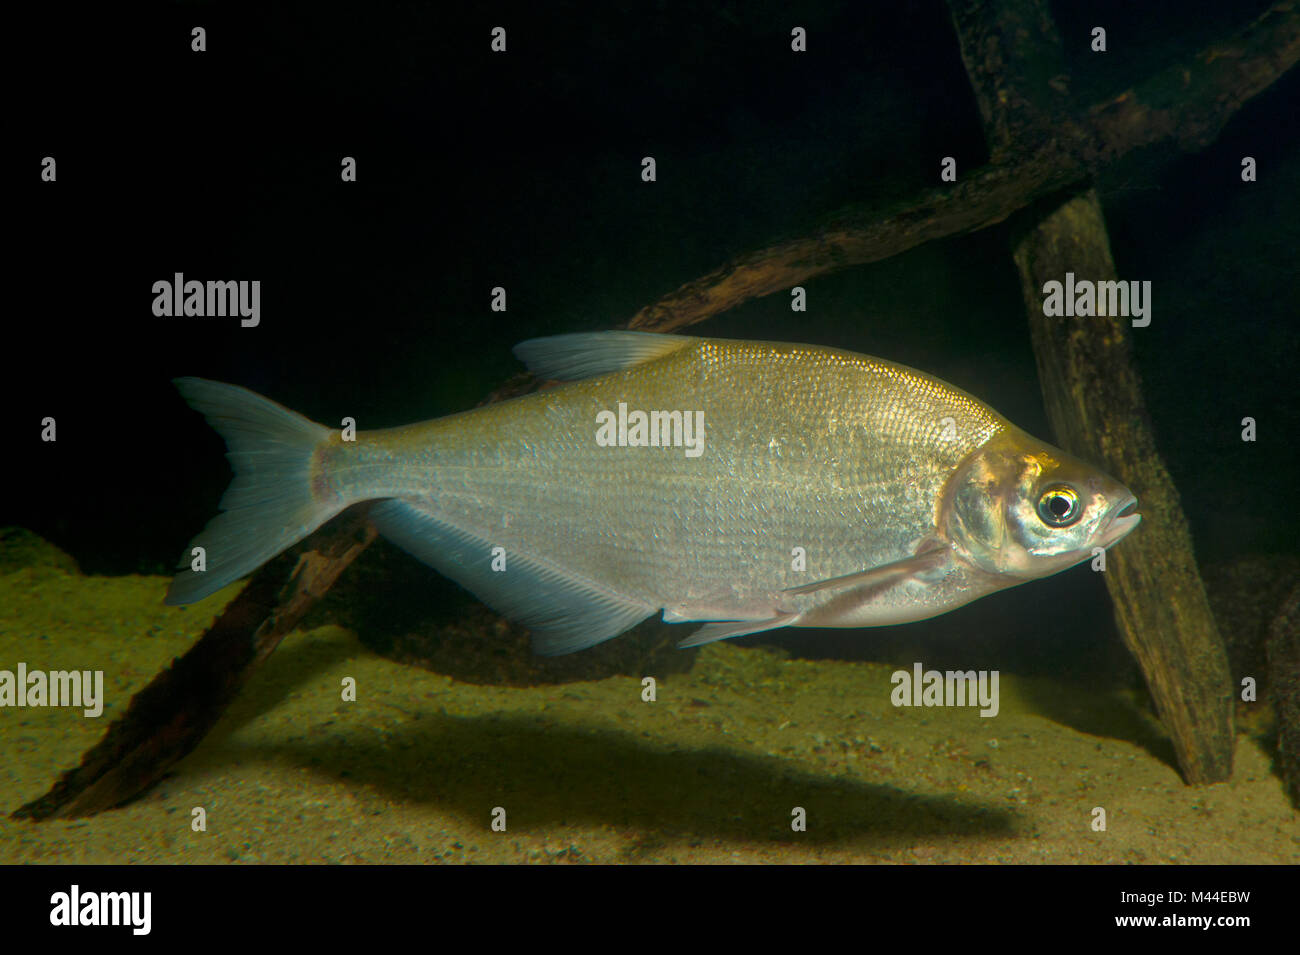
(1020,507)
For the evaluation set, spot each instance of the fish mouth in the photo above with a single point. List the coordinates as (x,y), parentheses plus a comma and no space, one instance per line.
(1122,520)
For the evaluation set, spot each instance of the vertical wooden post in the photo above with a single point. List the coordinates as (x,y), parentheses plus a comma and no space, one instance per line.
(1093,395)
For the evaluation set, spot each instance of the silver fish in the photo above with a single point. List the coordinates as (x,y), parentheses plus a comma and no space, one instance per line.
(747,485)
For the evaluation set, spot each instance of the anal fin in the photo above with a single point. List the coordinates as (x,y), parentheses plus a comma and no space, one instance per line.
(726,629)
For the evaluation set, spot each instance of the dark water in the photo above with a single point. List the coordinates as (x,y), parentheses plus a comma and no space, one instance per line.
(522,171)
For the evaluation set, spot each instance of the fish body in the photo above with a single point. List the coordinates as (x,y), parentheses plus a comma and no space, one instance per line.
(748,485)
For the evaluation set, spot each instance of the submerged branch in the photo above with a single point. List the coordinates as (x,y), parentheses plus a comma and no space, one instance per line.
(170,717)
(1188,103)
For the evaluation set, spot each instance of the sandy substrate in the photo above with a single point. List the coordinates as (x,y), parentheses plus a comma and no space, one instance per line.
(589,772)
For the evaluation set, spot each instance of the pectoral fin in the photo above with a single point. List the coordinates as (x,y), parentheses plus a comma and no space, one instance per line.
(931,558)
(931,555)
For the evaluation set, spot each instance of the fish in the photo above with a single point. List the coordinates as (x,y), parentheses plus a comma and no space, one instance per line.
(747,486)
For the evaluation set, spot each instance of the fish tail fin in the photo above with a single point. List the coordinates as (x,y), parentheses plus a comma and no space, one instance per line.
(269,505)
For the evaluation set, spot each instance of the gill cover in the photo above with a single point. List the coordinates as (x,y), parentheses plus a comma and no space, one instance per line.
(1020,507)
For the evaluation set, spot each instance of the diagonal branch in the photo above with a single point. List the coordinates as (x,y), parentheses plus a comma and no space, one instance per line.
(170,717)
(1188,104)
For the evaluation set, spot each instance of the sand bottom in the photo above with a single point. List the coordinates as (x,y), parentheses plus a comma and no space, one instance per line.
(711,771)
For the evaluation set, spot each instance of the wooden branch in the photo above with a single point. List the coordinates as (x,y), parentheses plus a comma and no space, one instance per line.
(1191,102)
(856,236)
(1094,401)
(1094,398)
(172,715)
(1011,54)
(1188,104)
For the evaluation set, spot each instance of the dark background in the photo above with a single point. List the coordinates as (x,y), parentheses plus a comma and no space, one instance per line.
(522,170)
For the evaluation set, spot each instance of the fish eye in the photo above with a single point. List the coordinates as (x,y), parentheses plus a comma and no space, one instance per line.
(1059,506)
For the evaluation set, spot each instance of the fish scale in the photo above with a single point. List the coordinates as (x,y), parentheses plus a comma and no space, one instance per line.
(856,459)
(701,515)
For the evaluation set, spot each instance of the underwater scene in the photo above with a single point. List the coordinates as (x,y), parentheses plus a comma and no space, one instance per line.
(655,433)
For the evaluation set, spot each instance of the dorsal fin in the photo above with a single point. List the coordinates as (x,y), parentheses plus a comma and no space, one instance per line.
(587,354)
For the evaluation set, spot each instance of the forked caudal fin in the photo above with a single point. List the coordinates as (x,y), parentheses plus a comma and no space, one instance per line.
(269,505)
